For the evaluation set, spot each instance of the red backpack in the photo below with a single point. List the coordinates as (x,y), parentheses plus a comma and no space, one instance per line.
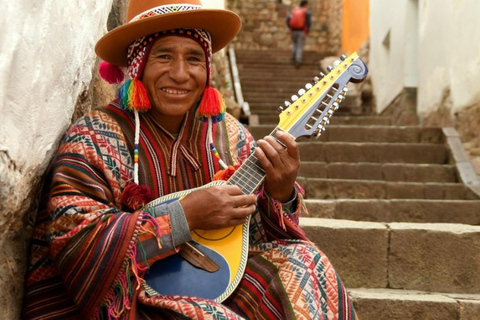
(298,18)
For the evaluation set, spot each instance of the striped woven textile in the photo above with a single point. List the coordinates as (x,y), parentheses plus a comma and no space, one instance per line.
(82,263)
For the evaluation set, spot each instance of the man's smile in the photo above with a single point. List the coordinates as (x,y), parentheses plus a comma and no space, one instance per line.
(174,91)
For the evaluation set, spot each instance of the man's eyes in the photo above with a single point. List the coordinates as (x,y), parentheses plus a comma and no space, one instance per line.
(163,56)
(194,58)
(169,57)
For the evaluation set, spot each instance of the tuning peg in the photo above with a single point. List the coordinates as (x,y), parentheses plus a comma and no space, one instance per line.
(316,79)
(318,131)
(336,106)
(343,57)
(330,112)
(340,98)
(294,98)
(322,74)
(329,68)
(280,109)
(287,104)
(345,90)
(301,92)
(336,63)
(308,86)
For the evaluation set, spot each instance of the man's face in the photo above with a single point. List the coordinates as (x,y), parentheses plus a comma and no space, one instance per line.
(175,76)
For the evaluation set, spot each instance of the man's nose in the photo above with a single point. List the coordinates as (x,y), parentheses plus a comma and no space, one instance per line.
(179,70)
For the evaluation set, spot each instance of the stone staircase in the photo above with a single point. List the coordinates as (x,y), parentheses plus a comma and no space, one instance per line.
(395,208)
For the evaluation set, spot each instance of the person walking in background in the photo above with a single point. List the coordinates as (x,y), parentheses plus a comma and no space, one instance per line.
(299,21)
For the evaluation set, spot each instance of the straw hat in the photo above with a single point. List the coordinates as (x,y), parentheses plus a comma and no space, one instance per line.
(149,16)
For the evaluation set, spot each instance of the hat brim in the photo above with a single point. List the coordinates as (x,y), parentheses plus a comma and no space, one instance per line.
(223,26)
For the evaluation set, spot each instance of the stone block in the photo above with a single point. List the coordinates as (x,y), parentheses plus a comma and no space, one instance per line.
(405,191)
(434,191)
(344,189)
(343,171)
(358,250)
(393,172)
(370,171)
(430,172)
(401,305)
(313,151)
(435,257)
(469,309)
(363,210)
(313,169)
(321,208)
(455,191)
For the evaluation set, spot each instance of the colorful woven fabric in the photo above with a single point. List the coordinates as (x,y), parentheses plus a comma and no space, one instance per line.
(84,249)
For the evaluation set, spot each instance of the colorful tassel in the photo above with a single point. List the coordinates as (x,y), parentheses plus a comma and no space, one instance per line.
(133,96)
(212,105)
(224,174)
(111,73)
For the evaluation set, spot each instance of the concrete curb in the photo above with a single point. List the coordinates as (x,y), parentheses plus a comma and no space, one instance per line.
(462,160)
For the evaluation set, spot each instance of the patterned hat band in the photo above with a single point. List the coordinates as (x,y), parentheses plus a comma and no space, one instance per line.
(165,9)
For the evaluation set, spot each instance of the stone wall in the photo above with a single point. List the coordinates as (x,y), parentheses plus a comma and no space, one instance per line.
(264,25)
(46,68)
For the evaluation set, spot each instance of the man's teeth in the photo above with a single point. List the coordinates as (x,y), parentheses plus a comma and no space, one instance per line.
(171,91)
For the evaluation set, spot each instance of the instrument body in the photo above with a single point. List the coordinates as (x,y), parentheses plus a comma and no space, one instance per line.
(228,247)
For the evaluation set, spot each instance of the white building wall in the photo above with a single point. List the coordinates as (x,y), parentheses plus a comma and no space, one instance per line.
(387,44)
(449,54)
(446,57)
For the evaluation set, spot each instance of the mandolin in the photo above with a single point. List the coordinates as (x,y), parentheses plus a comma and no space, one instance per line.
(212,264)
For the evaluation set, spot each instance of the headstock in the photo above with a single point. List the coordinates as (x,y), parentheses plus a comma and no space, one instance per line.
(308,114)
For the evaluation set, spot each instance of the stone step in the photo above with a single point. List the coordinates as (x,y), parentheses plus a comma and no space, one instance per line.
(398,172)
(270,105)
(318,188)
(273,97)
(276,56)
(272,119)
(357,133)
(432,257)
(397,210)
(375,304)
(307,68)
(269,76)
(265,78)
(374,152)
(268,110)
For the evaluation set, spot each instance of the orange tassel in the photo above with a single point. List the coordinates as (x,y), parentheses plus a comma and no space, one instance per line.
(211,105)
(140,100)
(224,174)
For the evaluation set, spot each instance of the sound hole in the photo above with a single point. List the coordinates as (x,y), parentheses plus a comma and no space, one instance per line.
(214,235)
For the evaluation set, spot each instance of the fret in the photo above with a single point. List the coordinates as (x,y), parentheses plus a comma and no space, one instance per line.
(250,174)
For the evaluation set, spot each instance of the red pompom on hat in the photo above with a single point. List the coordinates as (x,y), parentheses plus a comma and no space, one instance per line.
(111,73)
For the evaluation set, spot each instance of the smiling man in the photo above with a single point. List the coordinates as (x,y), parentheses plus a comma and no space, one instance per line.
(103,226)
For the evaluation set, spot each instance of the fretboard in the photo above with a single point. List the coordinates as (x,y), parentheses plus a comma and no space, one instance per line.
(250,174)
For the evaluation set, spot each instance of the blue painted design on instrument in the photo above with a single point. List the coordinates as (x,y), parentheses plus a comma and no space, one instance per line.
(176,276)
